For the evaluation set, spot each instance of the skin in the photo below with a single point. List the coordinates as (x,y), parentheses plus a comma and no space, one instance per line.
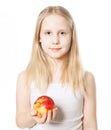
(89,107)
(25,117)
(55,38)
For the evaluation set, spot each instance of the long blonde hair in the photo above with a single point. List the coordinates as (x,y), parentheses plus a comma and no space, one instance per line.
(38,69)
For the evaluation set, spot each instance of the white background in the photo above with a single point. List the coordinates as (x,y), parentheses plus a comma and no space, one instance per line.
(17,26)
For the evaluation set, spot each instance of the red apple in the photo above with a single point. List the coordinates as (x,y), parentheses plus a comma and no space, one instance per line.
(43,104)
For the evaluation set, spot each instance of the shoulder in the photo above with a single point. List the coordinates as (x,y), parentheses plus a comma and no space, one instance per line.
(21,76)
(21,79)
(21,86)
(89,82)
(89,77)
(89,107)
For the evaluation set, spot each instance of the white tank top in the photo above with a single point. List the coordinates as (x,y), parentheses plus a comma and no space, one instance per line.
(69,106)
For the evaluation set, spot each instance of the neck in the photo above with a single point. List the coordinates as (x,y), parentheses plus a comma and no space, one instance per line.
(57,67)
(57,63)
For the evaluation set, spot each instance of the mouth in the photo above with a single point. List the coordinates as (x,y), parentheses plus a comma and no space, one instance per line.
(55,49)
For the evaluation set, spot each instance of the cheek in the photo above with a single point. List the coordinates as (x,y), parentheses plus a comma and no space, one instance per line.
(45,46)
(44,39)
(45,42)
(66,42)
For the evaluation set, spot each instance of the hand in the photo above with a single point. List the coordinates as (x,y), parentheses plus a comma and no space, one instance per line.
(46,118)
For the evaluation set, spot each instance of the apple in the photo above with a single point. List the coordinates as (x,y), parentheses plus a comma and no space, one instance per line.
(43,104)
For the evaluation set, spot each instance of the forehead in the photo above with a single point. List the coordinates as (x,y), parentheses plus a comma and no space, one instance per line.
(55,21)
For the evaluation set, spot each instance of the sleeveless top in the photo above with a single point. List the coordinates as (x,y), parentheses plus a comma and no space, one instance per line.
(69,106)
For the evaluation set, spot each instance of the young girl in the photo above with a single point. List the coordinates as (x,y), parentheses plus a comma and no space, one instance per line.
(55,70)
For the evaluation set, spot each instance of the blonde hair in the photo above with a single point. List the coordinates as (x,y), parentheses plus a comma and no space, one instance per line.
(38,69)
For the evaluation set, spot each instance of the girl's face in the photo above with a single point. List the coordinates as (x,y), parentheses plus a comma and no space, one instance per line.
(55,36)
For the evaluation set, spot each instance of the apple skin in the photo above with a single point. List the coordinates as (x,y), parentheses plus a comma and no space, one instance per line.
(43,104)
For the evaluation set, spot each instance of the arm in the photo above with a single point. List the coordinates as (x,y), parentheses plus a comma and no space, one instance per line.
(89,109)
(25,117)
(23,111)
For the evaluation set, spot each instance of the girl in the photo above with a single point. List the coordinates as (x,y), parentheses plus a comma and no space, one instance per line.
(55,70)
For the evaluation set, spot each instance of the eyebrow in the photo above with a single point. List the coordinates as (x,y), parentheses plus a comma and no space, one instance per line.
(61,29)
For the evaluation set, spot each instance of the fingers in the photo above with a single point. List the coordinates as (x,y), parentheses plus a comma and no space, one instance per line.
(33,112)
(43,119)
(51,114)
(46,118)
(54,113)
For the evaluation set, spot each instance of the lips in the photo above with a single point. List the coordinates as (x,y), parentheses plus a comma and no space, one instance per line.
(55,49)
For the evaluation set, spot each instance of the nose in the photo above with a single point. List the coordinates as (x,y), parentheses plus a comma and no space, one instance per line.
(55,39)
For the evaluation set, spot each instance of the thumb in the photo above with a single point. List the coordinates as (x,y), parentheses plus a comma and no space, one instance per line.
(33,112)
